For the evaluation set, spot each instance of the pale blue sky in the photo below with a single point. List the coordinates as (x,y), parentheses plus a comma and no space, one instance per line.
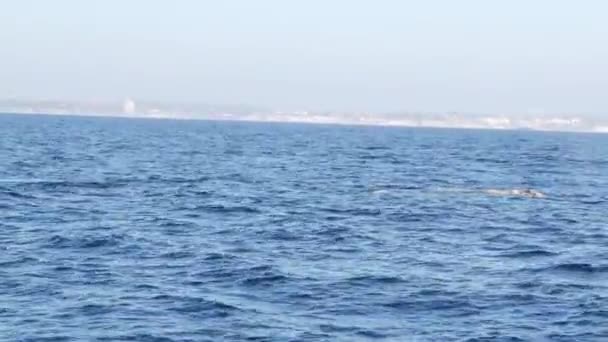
(469,55)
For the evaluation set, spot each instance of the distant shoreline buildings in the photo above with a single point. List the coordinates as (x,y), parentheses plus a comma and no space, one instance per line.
(128,106)
(142,109)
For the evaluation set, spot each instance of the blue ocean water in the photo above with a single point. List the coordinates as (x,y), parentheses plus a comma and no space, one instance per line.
(158,230)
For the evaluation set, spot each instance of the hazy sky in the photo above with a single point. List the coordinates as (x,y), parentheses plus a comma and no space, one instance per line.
(382,55)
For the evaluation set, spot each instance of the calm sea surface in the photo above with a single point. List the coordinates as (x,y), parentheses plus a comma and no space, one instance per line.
(159,230)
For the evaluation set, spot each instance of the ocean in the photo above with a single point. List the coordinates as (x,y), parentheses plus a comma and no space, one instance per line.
(157,230)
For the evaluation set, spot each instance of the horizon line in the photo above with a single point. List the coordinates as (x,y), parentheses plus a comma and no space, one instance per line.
(136,116)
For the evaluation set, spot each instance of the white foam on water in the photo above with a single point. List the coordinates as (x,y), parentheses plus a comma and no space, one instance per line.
(529,193)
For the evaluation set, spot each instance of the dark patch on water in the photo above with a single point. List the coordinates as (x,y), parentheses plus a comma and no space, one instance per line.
(579,268)
(528,254)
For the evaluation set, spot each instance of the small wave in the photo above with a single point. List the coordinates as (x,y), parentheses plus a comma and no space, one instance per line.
(330,328)
(376,148)
(283,235)
(354,212)
(495,339)
(228,209)
(411,217)
(333,231)
(100,242)
(366,333)
(19,262)
(177,255)
(57,338)
(206,307)
(500,237)
(571,268)
(177,180)
(433,304)
(260,268)
(389,187)
(15,194)
(58,241)
(218,256)
(435,293)
(137,337)
(166,223)
(374,280)
(334,218)
(82,184)
(493,160)
(268,279)
(201,193)
(528,254)
(66,184)
(95,309)
(63,268)
(197,306)
(579,267)
(593,202)
(145,287)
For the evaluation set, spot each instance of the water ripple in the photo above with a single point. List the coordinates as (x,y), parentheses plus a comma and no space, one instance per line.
(161,230)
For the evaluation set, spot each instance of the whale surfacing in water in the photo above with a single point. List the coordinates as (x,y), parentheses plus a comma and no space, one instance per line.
(528,193)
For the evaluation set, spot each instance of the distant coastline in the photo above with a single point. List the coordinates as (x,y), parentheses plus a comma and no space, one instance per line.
(148,110)
(327,120)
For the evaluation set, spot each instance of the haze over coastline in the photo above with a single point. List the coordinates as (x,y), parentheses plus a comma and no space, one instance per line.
(472,63)
(193,111)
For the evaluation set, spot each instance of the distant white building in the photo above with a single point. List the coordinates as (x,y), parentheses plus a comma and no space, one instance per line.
(128,106)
